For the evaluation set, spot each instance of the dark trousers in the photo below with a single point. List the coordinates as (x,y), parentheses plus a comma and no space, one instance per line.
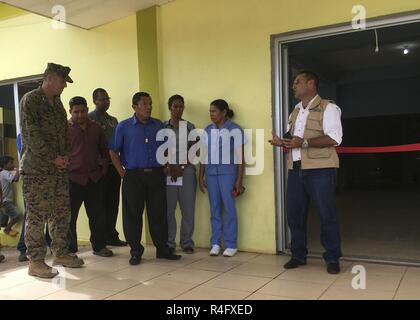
(4,220)
(112,185)
(92,197)
(319,186)
(21,246)
(139,188)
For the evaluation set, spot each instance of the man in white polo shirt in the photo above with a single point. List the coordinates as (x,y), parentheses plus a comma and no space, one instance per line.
(315,130)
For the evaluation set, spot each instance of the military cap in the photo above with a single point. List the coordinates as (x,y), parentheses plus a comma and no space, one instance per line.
(60,70)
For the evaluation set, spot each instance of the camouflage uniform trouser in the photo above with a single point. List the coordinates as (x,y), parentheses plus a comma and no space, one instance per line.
(47,200)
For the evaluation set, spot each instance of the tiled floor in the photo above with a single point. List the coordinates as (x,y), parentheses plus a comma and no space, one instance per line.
(199,276)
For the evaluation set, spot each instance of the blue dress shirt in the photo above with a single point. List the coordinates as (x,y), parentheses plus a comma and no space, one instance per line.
(136,143)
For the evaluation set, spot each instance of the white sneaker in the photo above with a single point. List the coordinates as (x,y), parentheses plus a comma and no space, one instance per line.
(229,252)
(215,250)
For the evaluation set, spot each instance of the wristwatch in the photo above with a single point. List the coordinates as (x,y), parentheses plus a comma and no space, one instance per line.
(305,144)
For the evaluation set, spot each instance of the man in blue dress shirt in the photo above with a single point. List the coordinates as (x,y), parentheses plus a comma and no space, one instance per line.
(133,152)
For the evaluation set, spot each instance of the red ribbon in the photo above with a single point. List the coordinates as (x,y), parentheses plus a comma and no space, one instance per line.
(401,148)
(390,149)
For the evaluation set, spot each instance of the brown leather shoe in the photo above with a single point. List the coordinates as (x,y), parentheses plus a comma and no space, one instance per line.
(69,261)
(188,250)
(41,270)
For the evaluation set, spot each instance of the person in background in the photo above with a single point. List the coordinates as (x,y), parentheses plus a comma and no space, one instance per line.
(2,257)
(223,176)
(88,163)
(8,176)
(184,193)
(111,180)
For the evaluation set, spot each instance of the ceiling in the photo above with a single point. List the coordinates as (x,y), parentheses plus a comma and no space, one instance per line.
(87,14)
(342,58)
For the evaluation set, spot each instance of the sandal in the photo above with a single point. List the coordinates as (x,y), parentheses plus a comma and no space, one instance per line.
(11,233)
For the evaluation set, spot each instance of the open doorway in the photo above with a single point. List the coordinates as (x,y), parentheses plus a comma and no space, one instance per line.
(11,92)
(378,193)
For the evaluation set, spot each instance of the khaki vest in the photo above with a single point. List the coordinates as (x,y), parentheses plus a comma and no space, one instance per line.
(314,158)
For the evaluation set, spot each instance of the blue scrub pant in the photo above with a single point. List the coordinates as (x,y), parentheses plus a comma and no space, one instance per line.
(220,188)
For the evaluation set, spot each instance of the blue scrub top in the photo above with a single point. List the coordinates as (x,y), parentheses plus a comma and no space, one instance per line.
(222,163)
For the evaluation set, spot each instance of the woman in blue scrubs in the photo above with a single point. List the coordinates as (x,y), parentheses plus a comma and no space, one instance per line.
(222,175)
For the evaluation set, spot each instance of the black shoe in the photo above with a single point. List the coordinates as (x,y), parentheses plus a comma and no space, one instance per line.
(71,250)
(104,252)
(168,256)
(333,268)
(117,243)
(135,260)
(22,257)
(171,250)
(188,250)
(293,264)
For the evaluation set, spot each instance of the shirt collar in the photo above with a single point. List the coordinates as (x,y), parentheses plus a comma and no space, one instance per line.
(169,124)
(300,105)
(135,121)
(89,123)
(226,125)
(44,97)
(98,115)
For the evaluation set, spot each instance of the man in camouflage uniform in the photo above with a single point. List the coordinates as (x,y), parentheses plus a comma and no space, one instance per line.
(45,151)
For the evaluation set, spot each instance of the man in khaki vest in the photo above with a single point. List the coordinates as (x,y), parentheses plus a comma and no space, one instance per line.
(315,130)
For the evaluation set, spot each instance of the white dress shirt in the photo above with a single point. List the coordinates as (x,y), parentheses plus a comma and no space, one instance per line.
(331,124)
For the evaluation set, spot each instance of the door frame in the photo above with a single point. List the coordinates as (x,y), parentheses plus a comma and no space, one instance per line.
(280,99)
(15,83)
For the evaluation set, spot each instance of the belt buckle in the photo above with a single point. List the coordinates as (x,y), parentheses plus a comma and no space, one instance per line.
(148,170)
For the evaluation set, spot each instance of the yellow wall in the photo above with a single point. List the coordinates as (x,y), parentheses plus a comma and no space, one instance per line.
(221,48)
(148,57)
(102,57)
(7,12)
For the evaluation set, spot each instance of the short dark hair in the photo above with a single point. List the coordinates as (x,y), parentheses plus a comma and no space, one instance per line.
(96,92)
(5,160)
(75,101)
(222,105)
(138,96)
(173,99)
(310,75)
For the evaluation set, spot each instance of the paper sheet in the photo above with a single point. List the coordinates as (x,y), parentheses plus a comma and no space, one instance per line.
(178,182)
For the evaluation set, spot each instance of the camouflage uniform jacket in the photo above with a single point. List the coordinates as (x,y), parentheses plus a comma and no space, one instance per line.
(45,133)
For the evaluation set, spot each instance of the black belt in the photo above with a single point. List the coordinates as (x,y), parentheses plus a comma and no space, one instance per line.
(297,165)
(147,170)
